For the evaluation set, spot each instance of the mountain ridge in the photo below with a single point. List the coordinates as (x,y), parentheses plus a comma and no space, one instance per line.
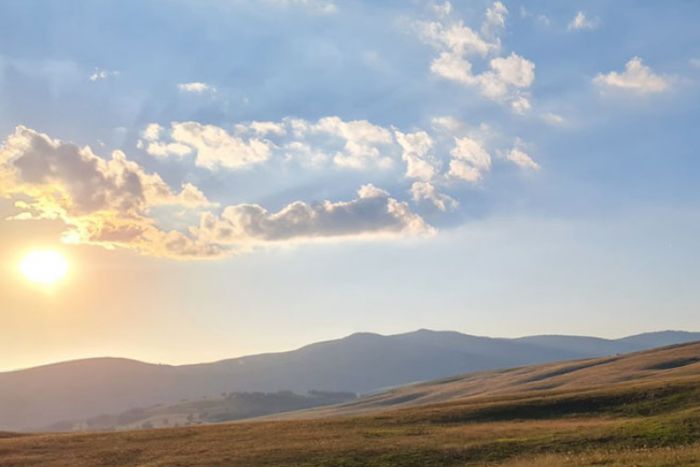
(360,363)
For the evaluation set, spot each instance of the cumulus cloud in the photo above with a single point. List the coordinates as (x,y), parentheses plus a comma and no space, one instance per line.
(196,87)
(361,141)
(213,146)
(470,160)
(355,144)
(505,79)
(113,202)
(426,191)
(581,21)
(101,201)
(637,78)
(417,150)
(373,213)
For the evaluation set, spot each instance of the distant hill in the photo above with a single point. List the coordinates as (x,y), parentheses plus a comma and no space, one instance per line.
(222,408)
(676,363)
(360,363)
(634,409)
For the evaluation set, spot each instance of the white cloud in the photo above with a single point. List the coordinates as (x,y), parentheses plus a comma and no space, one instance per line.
(426,191)
(456,38)
(362,141)
(507,78)
(522,159)
(470,160)
(111,203)
(694,62)
(514,70)
(322,7)
(196,87)
(213,146)
(152,132)
(580,21)
(267,128)
(355,144)
(553,119)
(637,78)
(100,74)
(417,150)
(436,157)
(442,9)
(495,19)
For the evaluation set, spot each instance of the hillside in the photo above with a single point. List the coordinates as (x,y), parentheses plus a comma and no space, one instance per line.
(639,409)
(674,363)
(360,363)
(222,408)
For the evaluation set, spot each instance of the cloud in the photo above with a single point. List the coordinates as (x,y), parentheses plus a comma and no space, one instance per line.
(694,62)
(495,19)
(580,22)
(442,9)
(507,79)
(214,147)
(470,160)
(417,150)
(522,159)
(100,74)
(637,78)
(322,7)
(355,144)
(113,202)
(553,119)
(426,191)
(101,201)
(196,87)
(373,213)
(361,141)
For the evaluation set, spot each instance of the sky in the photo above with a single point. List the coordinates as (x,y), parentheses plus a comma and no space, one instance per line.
(228,177)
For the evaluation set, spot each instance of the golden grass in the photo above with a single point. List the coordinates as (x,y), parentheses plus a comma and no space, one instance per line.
(646,417)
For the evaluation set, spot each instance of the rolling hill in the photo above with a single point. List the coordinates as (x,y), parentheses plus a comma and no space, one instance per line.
(360,363)
(637,409)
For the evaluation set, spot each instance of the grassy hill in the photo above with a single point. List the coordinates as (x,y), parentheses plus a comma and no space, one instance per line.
(638,409)
(361,363)
(222,408)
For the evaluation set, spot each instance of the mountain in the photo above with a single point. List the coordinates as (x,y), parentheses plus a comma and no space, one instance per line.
(634,409)
(360,363)
(677,363)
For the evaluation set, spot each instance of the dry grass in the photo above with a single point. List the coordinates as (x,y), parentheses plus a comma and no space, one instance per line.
(650,420)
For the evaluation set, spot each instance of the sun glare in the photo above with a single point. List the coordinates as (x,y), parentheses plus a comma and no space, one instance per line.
(44,267)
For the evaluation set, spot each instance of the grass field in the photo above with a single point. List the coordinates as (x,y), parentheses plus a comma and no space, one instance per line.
(651,416)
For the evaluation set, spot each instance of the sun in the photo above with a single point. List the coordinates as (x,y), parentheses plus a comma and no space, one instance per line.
(44,266)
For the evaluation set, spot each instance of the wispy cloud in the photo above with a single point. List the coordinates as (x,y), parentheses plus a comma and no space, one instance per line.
(100,74)
(520,158)
(323,7)
(581,22)
(196,87)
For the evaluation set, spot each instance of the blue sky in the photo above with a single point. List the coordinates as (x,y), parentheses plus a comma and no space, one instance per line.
(283,171)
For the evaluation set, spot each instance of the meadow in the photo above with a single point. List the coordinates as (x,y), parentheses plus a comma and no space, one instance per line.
(651,419)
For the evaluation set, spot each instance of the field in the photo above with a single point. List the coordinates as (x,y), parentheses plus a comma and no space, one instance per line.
(642,409)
